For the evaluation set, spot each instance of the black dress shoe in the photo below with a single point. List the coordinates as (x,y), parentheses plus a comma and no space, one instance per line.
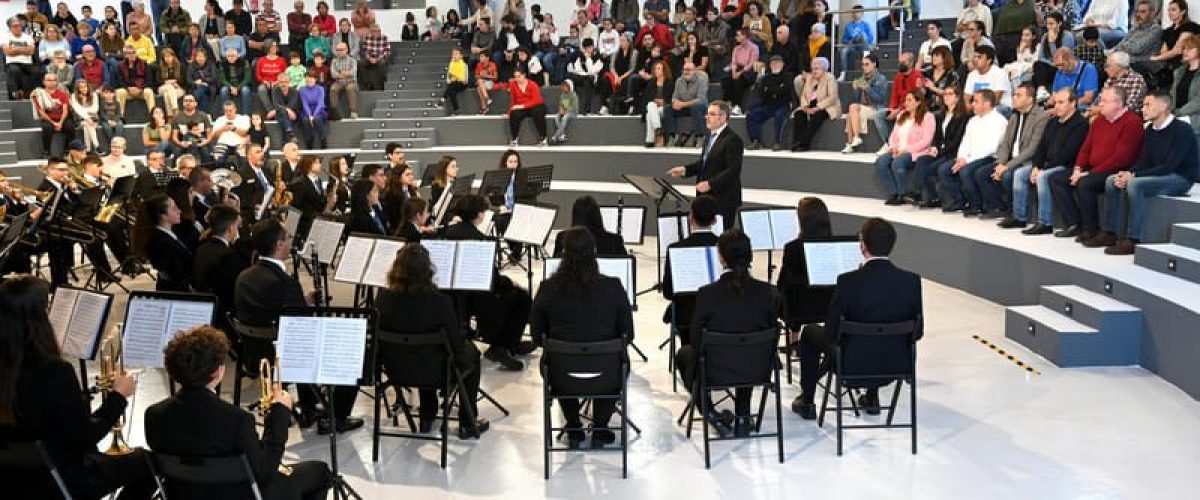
(523,348)
(1069,232)
(719,423)
(971,212)
(602,437)
(1084,235)
(743,426)
(991,214)
(343,425)
(953,207)
(754,145)
(304,419)
(806,409)
(869,403)
(574,439)
(469,431)
(1012,223)
(894,200)
(426,425)
(504,358)
(1101,239)
(912,199)
(931,204)
(1037,229)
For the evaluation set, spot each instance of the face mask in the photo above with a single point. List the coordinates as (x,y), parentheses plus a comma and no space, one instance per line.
(903,68)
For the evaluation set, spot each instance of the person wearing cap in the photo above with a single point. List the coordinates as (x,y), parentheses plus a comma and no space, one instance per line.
(818,92)
(76,152)
(774,101)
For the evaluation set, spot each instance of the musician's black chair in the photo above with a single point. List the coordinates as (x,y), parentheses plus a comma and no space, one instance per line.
(232,469)
(584,370)
(30,460)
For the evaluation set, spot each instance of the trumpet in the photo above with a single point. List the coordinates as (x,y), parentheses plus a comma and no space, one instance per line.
(268,378)
(112,364)
(19,190)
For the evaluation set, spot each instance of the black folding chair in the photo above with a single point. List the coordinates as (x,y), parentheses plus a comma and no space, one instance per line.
(246,332)
(198,471)
(584,370)
(31,456)
(868,356)
(730,361)
(425,350)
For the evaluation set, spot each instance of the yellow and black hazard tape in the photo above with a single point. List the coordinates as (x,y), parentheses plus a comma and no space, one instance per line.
(1010,357)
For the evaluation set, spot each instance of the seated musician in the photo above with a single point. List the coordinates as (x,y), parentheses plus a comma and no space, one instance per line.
(188,229)
(412,304)
(196,422)
(41,399)
(156,177)
(804,306)
(401,185)
(261,293)
(217,263)
(256,178)
(735,303)
(700,220)
(13,202)
(585,213)
(414,223)
(309,191)
(93,178)
(155,240)
(59,240)
(501,314)
(578,304)
(513,193)
(366,211)
(443,177)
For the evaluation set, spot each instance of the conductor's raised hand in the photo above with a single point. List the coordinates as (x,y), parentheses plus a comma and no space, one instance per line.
(677,171)
(702,187)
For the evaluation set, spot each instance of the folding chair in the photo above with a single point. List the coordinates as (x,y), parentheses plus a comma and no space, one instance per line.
(266,334)
(32,456)
(167,469)
(730,361)
(584,370)
(871,355)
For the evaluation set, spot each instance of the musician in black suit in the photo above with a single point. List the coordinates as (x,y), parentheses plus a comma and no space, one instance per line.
(65,195)
(877,292)
(718,172)
(200,195)
(188,229)
(155,241)
(115,229)
(701,220)
(217,263)
(196,422)
(154,180)
(41,399)
(339,179)
(502,313)
(14,205)
(261,293)
(412,304)
(309,192)
(735,303)
(805,306)
(401,186)
(444,175)
(256,178)
(585,213)
(366,214)
(578,304)
(414,215)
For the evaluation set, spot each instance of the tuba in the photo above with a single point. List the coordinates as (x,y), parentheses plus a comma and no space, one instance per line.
(111,365)
(268,378)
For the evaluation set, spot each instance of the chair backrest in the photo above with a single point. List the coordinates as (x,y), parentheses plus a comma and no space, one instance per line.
(31,456)
(269,333)
(886,350)
(585,368)
(416,359)
(739,358)
(199,471)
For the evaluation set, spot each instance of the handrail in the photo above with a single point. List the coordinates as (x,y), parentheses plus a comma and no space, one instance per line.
(833,39)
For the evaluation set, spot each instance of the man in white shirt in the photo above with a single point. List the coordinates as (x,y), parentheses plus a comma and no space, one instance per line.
(988,76)
(18,49)
(933,30)
(977,150)
(230,130)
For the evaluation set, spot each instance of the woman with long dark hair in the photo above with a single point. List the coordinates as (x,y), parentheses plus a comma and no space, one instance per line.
(585,213)
(155,241)
(443,176)
(951,125)
(909,141)
(578,304)
(414,216)
(41,400)
(412,303)
(366,214)
(401,185)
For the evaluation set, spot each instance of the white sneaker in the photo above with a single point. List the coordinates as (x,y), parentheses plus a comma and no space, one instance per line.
(855,142)
(737,110)
(354,116)
(847,149)
(543,143)
(603,110)
(512,144)
(841,76)
(882,149)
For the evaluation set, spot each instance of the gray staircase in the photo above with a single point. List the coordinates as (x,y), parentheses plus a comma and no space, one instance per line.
(1073,326)
(1180,257)
(406,142)
(8,152)
(5,115)
(1187,235)
(393,134)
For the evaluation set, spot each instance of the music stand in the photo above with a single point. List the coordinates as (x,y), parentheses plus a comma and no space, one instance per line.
(495,182)
(427,176)
(11,237)
(657,190)
(463,184)
(535,179)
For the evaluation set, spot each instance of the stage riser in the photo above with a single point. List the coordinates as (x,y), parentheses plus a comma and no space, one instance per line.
(1111,333)
(1187,235)
(1026,326)
(1178,261)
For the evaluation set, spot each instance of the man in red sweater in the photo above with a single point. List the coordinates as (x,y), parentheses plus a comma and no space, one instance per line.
(660,32)
(527,102)
(1112,144)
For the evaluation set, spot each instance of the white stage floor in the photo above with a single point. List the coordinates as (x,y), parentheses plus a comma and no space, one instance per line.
(988,430)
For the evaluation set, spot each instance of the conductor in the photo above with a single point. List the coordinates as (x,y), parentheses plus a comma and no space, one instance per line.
(718,172)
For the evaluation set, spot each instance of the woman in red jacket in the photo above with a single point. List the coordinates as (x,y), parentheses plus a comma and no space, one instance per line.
(526,103)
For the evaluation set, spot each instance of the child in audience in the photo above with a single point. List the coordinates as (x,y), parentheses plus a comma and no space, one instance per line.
(456,80)
(295,71)
(433,25)
(196,139)
(112,123)
(568,108)
(485,78)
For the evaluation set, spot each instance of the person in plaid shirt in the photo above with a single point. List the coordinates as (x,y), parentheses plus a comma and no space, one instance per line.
(375,54)
(1119,75)
(1091,50)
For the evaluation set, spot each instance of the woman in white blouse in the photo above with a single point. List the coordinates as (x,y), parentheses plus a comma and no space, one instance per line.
(85,105)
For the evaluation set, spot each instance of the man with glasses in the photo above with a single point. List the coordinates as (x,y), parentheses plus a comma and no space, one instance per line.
(718,172)
(345,79)
(689,99)
(91,68)
(188,116)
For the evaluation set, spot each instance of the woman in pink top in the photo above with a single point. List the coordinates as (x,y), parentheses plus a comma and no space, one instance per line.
(739,76)
(909,141)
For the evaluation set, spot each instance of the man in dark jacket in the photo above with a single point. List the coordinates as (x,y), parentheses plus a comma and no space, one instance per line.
(774,101)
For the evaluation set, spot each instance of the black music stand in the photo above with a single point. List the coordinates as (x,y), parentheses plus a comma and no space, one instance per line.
(11,237)
(657,190)
(495,182)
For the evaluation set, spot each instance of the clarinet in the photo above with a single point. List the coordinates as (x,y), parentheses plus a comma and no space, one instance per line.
(318,276)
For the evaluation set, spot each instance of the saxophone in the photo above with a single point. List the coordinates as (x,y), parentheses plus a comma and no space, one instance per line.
(283,197)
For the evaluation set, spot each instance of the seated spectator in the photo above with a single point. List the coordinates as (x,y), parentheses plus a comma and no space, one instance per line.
(344,73)
(941,75)
(232,41)
(546,39)
(485,79)
(375,53)
(146,25)
(1067,9)
(526,103)
(230,130)
(52,107)
(857,38)
(314,42)
(1091,50)
(453,28)
(816,45)
(568,109)
(295,71)
(714,35)
(1064,134)
(156,134)
(194,41)
(1117,68)
(892,19)
(456,80)
(1145,37)
(977,150)
(184,136)
(283,106)
(1010,21)
(943,149)
(1057,35)
(1110,18)
(235,80)
(212,21)
(433,24)
(320,67)
(111,17)
(19,49)
(818,102)
(118,164)
(868,104)
(89,67)
(172,77)
(64,20)
(759,25)
(1160,67)
(266,72)
(909,141)
(774,91)
(112,121)
(62,69)
(362,18)
(907,78)
(173,24)
(52,42)
(1021,139)
(313,130)
(257,40)
(622,68)
(240,17)
(1113,143)
(965,48)
(739,75)
(1167,166)
(1020,70)
(299,25)
(112,46)
(141,43)
(35,19)
(690,98)
(204,79)
(259,135)
(1080,76)
(85,105)
(329,24)
(656,92)
(783,47)
(482,39)
(509,40)
(1185,92)
(933,32)
(659,30)
(133,81)
(585,73)
(988,76)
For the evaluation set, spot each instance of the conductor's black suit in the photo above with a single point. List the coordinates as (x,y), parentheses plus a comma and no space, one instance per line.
(721,165)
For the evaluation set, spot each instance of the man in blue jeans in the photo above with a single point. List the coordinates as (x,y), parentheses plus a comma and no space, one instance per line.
(1020,142)
(774,101)
(977,150)
(1167,166)
(690,98)
(1064,135)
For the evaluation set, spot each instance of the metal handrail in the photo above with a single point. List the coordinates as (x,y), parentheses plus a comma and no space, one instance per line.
(833,30)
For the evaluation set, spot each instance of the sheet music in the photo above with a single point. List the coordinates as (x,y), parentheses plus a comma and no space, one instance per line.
(632,220)
(87,321)
(530,224)
(354,260)
(826,260)
(326,235)
(145,322)
(382,258)
(184,316)
(298,349)
(343,346)
(671,228)
(619,268)
(473,265)
(441,254)
(785,227)
(489,220)
(693,267)
(757,226)
(291,221)
(268,197)
(439,208)
(60,312)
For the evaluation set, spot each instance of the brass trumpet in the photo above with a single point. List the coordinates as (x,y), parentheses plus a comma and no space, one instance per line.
(268,378)
(112,364)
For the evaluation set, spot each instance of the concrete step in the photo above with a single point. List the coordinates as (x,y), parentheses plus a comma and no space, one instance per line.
(420,103)
(1061,340)
(392,134)
(421,81)
(374,149)
(438,50)
(443,44)
(396,70)
(1170,258)
(349,5)
(426,56)
(411,93)
(8,147)
(8,158)
(384,113)
(1120,324)
(1187,235)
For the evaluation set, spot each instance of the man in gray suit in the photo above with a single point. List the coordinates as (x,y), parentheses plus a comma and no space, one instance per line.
(1017,148)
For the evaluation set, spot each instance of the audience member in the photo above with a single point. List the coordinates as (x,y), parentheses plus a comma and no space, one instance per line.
(1021,139)
(870,96)
(1091,50)
(739,75)
(1010,22)
(52,107)
(1064,135)
(818,102)
(656,92)
(283,105)
(1058,35)
(156,134)
(230,130)
(943,150)
(204,79)
(907,78)
(568,109)
(1159,67)
(375,53)
(857,38)
(235,80)
(933,40)
(774,92)
(526,103)
(1185,92)
(1145,37)
(977,150)
(313,130)
(1116,66)
(1020,69)
(967,47)
(344,69)
(1109,17)
(485,78)
(171,80)
(85,105)
(988,76)
(909,141)
(19,49)
(143,46)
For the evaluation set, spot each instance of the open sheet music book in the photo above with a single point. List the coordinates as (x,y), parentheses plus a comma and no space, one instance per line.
(458,265)
(694,267)
(325,235)
(152,319)
(355,257)
(383,255)
(530,224)
(770,229)
(325,351)
(675,226)
(77,317)
(826,260)
(633,222)
(622,268)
